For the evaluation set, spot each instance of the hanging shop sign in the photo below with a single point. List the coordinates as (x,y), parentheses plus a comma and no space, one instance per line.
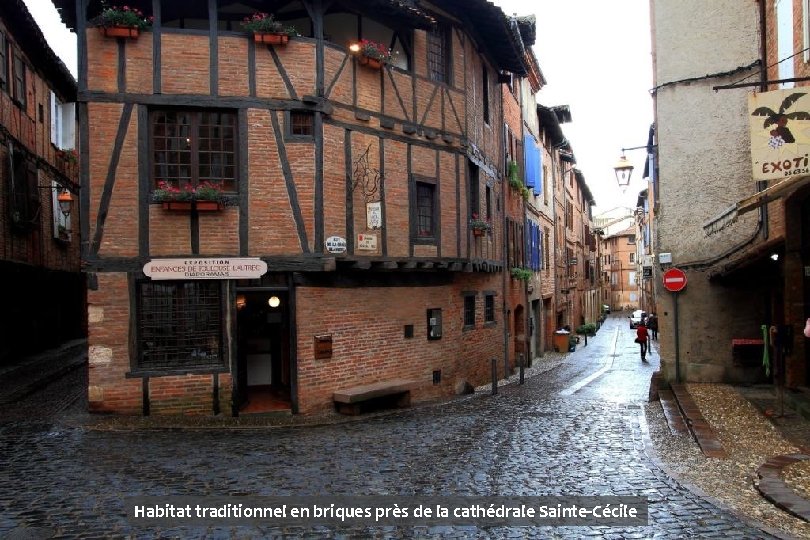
(780,138)
(213,268)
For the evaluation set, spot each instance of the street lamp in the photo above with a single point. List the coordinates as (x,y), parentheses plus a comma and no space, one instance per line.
(623,169)
(65,201)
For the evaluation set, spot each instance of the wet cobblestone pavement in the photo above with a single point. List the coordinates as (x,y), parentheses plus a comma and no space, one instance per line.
(554,435)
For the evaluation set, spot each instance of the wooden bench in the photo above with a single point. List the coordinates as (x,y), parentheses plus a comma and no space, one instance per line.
(393,393)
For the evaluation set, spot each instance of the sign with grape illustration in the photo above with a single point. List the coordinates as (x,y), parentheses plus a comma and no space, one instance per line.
(780,133)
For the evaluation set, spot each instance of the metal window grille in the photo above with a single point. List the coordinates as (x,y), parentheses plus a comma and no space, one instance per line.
(437,60)
(179,325)
(301,123)
(424,209)
(469,311)
(194,147)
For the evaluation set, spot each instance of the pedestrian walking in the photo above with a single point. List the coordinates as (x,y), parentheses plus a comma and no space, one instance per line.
(641,339)
(652,326)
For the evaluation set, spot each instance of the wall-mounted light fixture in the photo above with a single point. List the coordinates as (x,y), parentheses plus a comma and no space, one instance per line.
(624,170)
(774,256)
(274,301)
(241,301)
(65,200)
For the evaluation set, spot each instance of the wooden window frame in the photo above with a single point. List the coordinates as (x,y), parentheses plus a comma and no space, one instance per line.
(291,124)
(469,310)
(439,54)
(227,184)
(489,307)
(417,237)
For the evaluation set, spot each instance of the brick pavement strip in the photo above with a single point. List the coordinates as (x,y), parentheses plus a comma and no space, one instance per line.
(58,476)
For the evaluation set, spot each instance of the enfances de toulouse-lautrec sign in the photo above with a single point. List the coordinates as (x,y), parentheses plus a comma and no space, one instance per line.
(209,268)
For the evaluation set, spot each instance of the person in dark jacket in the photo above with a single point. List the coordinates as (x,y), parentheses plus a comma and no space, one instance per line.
(652,326)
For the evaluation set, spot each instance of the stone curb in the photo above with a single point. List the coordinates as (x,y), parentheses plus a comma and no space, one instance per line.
(772,485)
(657,461)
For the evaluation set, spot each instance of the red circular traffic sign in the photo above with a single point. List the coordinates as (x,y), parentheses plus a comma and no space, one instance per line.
(674,280)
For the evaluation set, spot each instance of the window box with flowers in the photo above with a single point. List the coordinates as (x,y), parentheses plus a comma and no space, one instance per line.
(121,21)
(266,29)
(371,53)
(206,197)
(479,226)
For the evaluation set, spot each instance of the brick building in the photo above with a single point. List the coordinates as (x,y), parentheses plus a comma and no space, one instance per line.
(742,241)
(39,247)
(354,185)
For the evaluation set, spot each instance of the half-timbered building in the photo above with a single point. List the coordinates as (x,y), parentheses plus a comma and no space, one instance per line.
(338,249)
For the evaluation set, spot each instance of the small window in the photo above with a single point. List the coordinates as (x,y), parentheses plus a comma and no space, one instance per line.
(424,210)
(489,308)
(631,239)
(489,203)
(434,323)
(469,311)
(19,80)
(3,61)
(302,124)
(632,257)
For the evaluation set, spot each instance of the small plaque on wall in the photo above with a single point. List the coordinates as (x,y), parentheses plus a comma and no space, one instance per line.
(323,346)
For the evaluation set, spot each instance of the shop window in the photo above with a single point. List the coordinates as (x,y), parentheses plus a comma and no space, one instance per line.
(434,323)
(192,147)
(179,326)
(469,310)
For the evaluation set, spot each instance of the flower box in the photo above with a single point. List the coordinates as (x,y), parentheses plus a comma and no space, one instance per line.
(478,232)
(271,38)
(120,32)
(373,63)
(187,206)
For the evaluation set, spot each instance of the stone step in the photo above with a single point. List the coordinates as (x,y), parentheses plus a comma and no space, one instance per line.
(675,420)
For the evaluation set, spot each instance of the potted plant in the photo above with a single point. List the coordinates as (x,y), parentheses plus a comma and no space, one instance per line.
(522,274)
(372,53)
(266,29)
(115,21)
(514,180)
(204,197)
(68,156)
(479,226)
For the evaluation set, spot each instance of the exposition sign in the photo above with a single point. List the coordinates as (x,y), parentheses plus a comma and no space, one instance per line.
(213,268)
(780,133)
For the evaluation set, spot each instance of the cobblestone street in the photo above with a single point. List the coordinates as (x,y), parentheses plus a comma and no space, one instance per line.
(564,432)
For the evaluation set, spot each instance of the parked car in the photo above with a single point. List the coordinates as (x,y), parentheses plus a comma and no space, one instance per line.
(636,317)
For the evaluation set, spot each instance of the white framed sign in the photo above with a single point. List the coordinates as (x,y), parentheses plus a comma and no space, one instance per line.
(336,244)
(210,268)
(374,215)
(367,242)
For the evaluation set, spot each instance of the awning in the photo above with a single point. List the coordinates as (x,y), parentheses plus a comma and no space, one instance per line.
(730,214)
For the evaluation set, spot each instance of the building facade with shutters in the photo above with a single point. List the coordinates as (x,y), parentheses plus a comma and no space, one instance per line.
(44,300)
(340,246)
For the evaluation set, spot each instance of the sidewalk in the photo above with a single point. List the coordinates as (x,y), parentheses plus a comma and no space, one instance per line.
(23,376)
(745,422)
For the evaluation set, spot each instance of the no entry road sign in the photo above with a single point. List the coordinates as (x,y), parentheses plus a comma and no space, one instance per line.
(674,280)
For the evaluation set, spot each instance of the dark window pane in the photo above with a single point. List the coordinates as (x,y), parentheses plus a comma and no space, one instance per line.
(179,325)
(424,209)
(469,311)
(301,123)
(437,55)
(489,308)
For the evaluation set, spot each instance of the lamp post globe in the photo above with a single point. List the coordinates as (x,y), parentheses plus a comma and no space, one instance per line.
(65,201)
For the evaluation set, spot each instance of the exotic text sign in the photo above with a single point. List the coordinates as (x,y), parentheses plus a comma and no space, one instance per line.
(213,268)
(780,133)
